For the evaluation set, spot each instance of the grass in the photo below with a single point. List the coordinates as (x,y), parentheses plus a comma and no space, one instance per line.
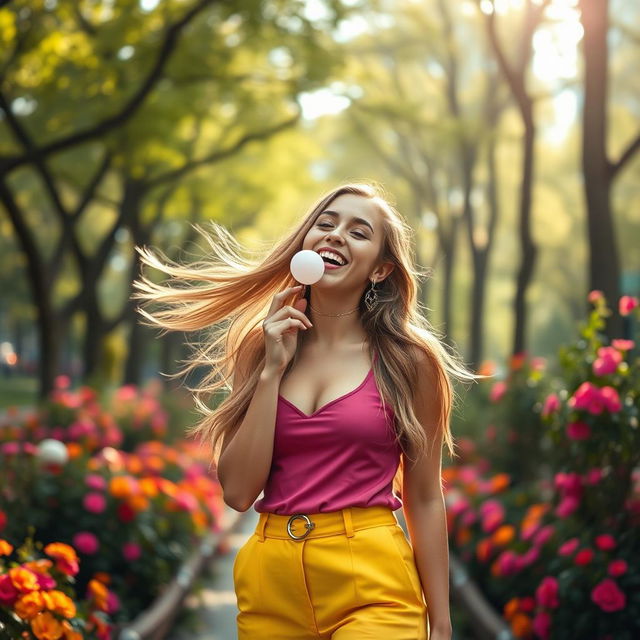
(20,391)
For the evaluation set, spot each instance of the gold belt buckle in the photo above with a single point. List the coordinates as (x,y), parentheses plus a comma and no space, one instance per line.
(308,525)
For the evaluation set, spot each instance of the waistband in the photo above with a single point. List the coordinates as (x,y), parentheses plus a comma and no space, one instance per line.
(301,526)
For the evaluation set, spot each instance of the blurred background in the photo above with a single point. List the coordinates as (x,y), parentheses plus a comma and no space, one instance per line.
(506,132)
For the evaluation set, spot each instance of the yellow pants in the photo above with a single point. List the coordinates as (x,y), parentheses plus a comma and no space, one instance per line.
(352,577)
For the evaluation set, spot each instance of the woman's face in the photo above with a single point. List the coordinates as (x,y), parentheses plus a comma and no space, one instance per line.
(351,225)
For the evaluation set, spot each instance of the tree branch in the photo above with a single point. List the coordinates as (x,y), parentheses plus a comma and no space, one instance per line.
(626,155)
(8,163)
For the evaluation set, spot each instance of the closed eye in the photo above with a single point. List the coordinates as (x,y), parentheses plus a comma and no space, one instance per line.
(328,224)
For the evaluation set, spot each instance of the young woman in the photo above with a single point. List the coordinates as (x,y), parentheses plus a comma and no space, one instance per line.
(339,405)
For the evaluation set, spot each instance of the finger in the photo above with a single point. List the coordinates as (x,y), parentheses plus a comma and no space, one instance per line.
(290,312)
(279,298)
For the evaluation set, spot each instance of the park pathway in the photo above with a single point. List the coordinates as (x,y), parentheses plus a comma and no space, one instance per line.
(215,608)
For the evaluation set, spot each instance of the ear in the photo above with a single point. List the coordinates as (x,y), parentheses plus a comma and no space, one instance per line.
(382,271)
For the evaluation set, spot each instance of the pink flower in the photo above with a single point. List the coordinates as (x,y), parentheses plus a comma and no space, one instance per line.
(113,603)
(593,476)
(491,433)
(607,361)
(131,551)
(608,596)
(551,405)
(595,296)
(86,543)
(469,517)
(569,484)
(96,482)
(45,582)
(547,593)
(530,556)
(459,506)
(617,567)
(94,502)
(605,542)
(567,506)
(10,448)
(590,398)
(568,547)
(497,391)
(507,563)
(578,430)
(542,625)
(543,535)
(583,557)
(623,345)
(62,382)
(627,304)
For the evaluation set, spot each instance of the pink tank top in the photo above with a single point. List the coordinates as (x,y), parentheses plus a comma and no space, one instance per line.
(342,455)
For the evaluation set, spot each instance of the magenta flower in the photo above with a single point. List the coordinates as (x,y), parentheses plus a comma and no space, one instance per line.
(593,476)
(131,551)
(608,596)
(567,548)
(551,405)
(578,430)
(8,593)
(610,399)
(113,603)
(507,564)
(627,304)
(96,482)
(567,506)
(542,625)
(605,542)
(569,484)
(45,582)
(607,361)
(530,556)
(547,593)
(617,567)
(590,398)
(497,391)
(94,502)
(543,535)
(86,542)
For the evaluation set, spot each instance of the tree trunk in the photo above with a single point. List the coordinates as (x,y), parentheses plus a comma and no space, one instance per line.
(604,268)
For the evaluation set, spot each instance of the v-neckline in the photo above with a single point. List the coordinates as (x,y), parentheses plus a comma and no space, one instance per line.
(331,402)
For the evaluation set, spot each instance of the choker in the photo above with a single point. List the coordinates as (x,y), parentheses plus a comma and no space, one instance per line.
(333,315)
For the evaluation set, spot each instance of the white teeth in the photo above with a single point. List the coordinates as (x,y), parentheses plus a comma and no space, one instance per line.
(333,256)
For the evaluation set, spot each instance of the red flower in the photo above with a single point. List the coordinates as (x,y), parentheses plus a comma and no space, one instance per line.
(605,542)
(617,567)
(583,557)
(627,304)
(578,430)
(608,596)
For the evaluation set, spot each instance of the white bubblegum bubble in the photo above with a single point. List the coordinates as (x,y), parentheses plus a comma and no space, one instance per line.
(51,451)
(307,267)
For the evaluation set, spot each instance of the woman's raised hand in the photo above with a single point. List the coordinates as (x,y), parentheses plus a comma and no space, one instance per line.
(281,328)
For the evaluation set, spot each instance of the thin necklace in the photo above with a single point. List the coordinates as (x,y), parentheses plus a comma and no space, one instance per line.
(333,315)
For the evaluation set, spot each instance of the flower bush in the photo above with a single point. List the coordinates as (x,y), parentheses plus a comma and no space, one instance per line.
(131,516)
(558,553)
(37,598)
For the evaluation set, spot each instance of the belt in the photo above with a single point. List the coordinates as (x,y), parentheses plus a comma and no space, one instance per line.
(300,526)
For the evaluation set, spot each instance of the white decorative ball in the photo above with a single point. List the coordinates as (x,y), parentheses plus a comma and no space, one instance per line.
(51,451)
(307,267)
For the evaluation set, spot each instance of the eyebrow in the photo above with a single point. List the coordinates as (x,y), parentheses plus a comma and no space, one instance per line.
(335,214)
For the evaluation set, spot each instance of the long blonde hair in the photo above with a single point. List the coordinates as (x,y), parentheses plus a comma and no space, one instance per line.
(234,298)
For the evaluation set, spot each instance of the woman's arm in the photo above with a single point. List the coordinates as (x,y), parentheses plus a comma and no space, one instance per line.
(424,508)
(247,451)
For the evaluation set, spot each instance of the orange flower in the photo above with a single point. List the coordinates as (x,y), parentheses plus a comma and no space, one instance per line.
(99,593)
(200,520)
(29,605)
(500,482)
(138,503)
(39,566)
(5,548)
(46,627)
(155,463)
(74,449)
(62,604)
(511,608)
(121,486)
(449,474)
(134,465)
(483,550)
(23,580)
(463,536)
(148,487)
(503,535)
(69,633)
(103,577)
(65,556)
(521,625)
(536,511)
(167,487)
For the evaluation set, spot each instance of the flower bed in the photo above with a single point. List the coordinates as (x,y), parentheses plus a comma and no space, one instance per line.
(557,551)
(131,516)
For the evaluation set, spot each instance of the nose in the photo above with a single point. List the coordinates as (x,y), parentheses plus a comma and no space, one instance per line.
(334,235)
